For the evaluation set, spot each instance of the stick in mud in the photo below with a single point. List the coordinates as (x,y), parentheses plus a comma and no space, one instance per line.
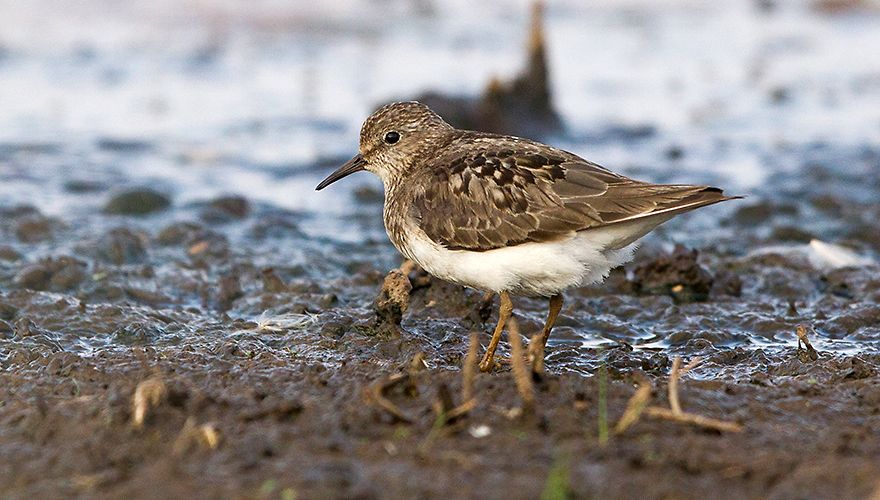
(461,410)
(147,394)
(375,394)
(674,377)
(468,375)
(417,367)
(808,353)
(469,369)
(206,435)
(536,352)
(637,405)
(691,418)
(521,374)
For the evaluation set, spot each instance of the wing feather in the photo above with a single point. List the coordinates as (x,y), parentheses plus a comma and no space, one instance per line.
(506,191)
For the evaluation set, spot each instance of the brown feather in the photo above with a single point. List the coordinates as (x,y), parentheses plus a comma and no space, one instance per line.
(490,191)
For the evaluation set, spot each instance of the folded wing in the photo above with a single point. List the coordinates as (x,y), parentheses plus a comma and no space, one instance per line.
(513,191)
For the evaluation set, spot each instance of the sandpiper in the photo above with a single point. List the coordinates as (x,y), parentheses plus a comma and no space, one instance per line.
(504,214)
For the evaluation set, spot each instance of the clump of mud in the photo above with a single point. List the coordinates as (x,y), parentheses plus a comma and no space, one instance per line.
(678,275)
(522,106)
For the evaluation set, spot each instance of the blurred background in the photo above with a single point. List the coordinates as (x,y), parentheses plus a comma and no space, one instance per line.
(210,96)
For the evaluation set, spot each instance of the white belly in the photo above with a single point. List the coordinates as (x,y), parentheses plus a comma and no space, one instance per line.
(541,269)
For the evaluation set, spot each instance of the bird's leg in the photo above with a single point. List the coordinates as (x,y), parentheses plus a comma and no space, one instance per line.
(504,311)
(536,349)
(555,306)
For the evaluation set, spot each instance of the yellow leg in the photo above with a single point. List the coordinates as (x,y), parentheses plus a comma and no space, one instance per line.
(536,349)
(555,306)
(504,311)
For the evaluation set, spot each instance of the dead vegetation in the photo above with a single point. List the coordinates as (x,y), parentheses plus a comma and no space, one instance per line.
(375,395)
(522,374)
(193,435)
(148,394)
(445,410)
(638,404)
(524,371)
(805,351)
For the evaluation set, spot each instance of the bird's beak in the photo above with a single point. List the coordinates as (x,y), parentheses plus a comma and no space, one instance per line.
(353,165)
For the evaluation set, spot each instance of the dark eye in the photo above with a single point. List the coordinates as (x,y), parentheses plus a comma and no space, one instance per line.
(392,137)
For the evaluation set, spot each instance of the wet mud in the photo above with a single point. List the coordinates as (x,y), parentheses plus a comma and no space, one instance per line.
(261,348)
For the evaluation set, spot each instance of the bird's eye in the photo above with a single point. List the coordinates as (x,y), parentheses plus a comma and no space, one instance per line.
(392,137)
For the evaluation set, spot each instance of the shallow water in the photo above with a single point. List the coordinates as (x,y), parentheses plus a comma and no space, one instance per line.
(211,100)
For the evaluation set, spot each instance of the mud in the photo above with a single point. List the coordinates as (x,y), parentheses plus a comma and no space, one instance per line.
(266,342)
(181,316)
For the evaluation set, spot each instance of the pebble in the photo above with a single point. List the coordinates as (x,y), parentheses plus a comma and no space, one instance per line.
(139,201)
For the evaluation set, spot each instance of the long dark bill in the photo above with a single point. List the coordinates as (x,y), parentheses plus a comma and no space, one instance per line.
(353,165)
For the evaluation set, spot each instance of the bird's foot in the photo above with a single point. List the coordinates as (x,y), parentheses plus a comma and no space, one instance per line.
(489,363)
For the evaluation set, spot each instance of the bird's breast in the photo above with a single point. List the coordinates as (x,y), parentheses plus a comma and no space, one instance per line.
(398,225)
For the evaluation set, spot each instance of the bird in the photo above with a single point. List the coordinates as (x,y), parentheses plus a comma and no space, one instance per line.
(507,215)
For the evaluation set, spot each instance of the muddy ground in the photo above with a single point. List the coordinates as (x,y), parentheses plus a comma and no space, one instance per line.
(256,346)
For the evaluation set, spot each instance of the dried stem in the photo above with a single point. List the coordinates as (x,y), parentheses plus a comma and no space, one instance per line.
(690,366)
(811,354)
(521,373)
(376,395)
(690,418)
(674,376)
(536,352)
(147,394)
(206,435)
(461,410)
(636,405)
(469,369)
(673,386)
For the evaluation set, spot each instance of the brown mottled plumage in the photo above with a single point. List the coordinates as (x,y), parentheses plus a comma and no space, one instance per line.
(505,191)
(505,214)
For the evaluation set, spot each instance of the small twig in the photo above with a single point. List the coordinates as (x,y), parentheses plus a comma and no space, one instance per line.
(536,351)
(673,386)
(376,394)
(469,369)
(417,366)
(690,418)
(636,405)
(811,354)
(521,374)
(674,376)
(690,366)
(206,435)
(147,394)
(461,410)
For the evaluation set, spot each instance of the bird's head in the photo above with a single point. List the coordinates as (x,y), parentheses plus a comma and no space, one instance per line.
(394,139)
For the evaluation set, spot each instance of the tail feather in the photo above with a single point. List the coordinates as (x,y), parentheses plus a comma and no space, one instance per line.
(630,229)
(692,197)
